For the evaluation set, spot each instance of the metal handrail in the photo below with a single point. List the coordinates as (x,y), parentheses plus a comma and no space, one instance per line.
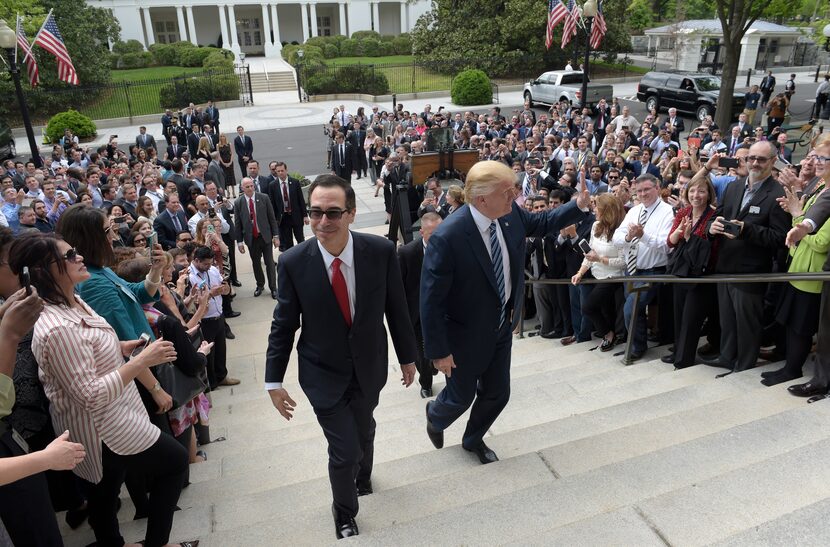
(646,279)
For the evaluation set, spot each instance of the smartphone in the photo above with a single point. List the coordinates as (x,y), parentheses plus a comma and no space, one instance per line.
(145,339)
(781,164)
(729,163)
(731,228)
(584,246)
(152,240)
(211,228)
(202,284)
(120,219)
(25,280)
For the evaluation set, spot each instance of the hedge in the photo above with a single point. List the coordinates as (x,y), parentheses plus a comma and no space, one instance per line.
(471,87)
(364,43)
(82,126)
(199,90)
(130,46)
(347,79)
(194,56)
(220,59)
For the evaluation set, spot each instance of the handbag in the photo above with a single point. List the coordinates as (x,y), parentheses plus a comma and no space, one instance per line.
(181,387)
(691,259)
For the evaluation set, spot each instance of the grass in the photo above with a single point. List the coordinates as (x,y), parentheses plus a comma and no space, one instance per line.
(391,59)
(153,73)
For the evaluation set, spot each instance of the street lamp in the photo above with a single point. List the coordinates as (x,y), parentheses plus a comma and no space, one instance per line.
(589,11)
(826,33)
(8,39)
(300,54)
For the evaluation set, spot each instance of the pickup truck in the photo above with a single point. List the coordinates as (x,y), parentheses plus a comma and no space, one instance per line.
(564,85)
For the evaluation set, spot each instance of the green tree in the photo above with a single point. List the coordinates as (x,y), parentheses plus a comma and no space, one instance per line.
(639,16)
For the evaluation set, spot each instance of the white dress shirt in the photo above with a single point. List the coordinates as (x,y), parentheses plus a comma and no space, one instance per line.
(653,247)
(194,221)
(483,225)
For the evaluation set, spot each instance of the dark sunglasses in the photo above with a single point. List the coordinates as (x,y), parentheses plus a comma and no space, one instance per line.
(71,255)
(331,214)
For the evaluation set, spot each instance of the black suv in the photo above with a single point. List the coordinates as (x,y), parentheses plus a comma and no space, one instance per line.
(7,148)
(691,92)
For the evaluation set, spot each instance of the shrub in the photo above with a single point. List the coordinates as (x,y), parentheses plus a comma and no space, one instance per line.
(194,56)
(371,47)
(330,51)
(200,89)
(350,48)
(219,59)
(385,49)
(311,55)
(81,125)
(130,46)
(164,55)
(318,41)
(364,34)
(287,50)
(388,38)
(471,87)
(346,79)
(402,44)
(135,60)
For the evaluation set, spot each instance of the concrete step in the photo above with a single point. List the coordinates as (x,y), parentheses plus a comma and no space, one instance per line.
(578,497)
(274,81)
(804,526)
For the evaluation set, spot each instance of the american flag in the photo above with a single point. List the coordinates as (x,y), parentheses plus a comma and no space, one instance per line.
(599,29)
(29,58)
(49,38)
(556,12)
(572,17)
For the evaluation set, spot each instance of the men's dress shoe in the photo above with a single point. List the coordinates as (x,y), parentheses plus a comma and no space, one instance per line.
(780,378)
(236,283)
(228,381)
(568,340)
(807,390)
(229,335)
(274,295)
(817,398)
(426,393)
(671,349)
(553,335)
(364,488)
(635,355)
(257,291)
(437,437)
(771,373)
(668,359)
(713,361)
(231,314)
(485,455)
(707,349)
(344,526)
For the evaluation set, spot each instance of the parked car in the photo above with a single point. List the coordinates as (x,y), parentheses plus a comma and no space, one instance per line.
(7,147)
(691,92)
(564,85)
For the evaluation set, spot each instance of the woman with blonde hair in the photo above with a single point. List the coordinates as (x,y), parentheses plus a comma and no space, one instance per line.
(203,150)
(226,159)
(455,197)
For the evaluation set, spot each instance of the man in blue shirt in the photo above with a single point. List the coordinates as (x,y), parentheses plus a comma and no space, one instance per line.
(751,99)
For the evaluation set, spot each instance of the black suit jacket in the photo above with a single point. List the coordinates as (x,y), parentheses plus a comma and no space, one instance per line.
(746,131)
(166,230)
(193,143)
(765,227)
(295,198)
(342,166)
(177,153)
(411,258)
(329,353)
(183,185)
(243,148)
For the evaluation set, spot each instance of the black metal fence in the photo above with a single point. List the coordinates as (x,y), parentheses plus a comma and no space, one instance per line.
(128,99)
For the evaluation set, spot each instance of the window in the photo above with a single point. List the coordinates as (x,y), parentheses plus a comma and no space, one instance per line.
(167,32)
(324,25)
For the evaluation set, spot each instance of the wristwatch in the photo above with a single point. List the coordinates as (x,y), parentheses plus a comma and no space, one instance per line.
(157,387)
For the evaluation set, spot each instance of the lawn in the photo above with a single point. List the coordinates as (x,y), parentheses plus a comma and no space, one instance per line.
(153,73)
(390,59)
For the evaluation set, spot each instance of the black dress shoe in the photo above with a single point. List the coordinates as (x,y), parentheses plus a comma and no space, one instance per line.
(771,373)
(76,517)
(364,488)
(437,437)
(671,349)
(713,361)
(426,393)
(553,335)
(231,314)
(817,398)
(229,335)
(236,283)
(707,349)
(781,378)
(257,291)
(274,295)
(807,390)
(344,526)
(668,359)
(485,455)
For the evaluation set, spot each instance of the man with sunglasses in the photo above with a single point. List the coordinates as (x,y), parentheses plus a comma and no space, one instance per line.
(340,285)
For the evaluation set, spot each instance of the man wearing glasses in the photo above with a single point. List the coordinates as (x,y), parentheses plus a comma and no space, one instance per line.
(751,228)
(340,285)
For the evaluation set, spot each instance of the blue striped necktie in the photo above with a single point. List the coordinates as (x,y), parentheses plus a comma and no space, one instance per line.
(498,267)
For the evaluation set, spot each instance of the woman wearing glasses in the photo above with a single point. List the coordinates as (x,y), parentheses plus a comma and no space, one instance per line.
(91,391)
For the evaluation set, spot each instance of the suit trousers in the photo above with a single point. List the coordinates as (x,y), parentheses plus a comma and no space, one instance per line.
(822,371)
(490,388)
(213,330)
(25,507)
(289,232)
(741,312)
(349,428)
(581,323)
(545,297)
(692,305)
(562,310)
(424,365)
(261,249)
(228,239)
(166,462)
(344,172)
(639,342)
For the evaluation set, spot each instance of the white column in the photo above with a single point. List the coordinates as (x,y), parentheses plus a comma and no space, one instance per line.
(275,24)
(313,19)
(148,25)
(343,29)
(223,27)
(304,16)
(375,16)
(266,32)
(234,36)
(191,25)
(182,26)
(403,16)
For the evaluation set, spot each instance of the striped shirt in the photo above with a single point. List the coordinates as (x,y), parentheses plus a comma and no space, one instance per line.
(79,356)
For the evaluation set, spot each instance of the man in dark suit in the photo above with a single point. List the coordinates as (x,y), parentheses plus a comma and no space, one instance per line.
(256,228)
(342,156)
(143,140)
(471,294)
(170,222)
(643,164)
(745,128)
(287,198)
(762,225)
(215,171)
(193,141)
(176,130)
(262,183)
(175,150)
(357,137)
(784,152)
(212,114)
(340,285)
(166,121)
(675,125)
(602,115)
(435,200)
(767,87)
(411,258)
(244,148)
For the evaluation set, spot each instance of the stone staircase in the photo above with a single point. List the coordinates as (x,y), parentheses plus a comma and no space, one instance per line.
(592,453)
(273,81)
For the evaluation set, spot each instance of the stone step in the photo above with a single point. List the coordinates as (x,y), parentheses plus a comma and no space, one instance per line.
(682,466)
(804,526)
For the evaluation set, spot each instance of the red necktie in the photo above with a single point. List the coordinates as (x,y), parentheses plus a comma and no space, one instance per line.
(253,217)
(341,292)
(285,197)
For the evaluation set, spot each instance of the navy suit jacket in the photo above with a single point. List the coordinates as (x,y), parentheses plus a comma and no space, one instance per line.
(460,305)
(329,353)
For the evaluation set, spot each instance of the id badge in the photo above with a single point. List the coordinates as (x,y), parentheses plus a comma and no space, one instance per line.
(21,442)
(754,210)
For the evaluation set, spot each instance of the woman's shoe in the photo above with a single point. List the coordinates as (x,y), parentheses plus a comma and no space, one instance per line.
(568,340)
(607,345)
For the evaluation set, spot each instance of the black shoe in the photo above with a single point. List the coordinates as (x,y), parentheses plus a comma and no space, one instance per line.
(236,283)
(274,295)
(553,335)
(344,526)
(707,349)
(713,361)
(426,393)
(817,398)
(485,455)
(231,314)
(635,355)
(668,359)
(76,517)
(807,390)
(607,345)
(771,373)
(437,437)
(671,349)
(257,291)
(364,488)
(781,378)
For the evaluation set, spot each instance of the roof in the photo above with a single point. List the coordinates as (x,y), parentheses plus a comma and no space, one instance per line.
(713,26)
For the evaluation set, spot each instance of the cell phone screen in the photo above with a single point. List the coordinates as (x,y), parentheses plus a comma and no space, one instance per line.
(584,246)
(145,339)
(25,280)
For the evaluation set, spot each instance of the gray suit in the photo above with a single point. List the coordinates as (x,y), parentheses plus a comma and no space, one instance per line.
(819,213)
(259,247)
(216,174)
(145,141)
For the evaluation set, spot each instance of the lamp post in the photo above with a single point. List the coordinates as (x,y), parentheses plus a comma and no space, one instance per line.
(589,11)
(8,39)
(300,54)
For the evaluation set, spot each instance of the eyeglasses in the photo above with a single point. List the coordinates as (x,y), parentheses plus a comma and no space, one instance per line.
(331,214)
(821,159)
(612,177)
(759,159)
(71,255)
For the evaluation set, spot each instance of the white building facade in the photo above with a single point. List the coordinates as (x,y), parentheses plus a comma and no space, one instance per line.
(257,29)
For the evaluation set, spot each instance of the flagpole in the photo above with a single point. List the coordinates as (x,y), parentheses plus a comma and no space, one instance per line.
(16,32)
(42,25)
